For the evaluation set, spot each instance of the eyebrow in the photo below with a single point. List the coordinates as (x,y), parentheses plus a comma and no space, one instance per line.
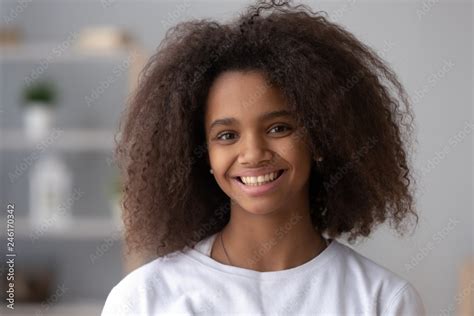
(266,116)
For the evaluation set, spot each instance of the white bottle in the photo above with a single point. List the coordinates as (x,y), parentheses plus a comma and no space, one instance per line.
(50,194)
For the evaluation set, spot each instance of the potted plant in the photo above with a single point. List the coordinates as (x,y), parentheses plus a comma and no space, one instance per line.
(39,101)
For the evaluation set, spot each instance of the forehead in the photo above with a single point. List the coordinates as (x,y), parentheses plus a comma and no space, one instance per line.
(243,95)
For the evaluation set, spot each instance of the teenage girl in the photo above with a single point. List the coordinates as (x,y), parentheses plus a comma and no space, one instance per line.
(248,148)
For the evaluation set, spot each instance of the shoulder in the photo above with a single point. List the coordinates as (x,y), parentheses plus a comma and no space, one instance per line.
(388,293)
(136,293)
(405,301)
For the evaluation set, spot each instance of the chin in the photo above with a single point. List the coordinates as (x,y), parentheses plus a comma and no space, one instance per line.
(261,207)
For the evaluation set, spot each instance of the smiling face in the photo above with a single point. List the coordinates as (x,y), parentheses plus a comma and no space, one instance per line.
(250,131)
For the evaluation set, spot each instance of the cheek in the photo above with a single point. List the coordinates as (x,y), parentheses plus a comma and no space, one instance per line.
(293,148)
(220,161)
(298,155)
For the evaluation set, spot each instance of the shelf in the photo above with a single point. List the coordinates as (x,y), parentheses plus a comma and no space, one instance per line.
(70,140)
(57,52)
(80,229)
(70,309)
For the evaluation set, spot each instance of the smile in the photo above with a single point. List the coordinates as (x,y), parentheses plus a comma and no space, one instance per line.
(255,186)
(260,180)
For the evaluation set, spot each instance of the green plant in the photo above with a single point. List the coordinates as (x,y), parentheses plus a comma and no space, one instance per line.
(43,92)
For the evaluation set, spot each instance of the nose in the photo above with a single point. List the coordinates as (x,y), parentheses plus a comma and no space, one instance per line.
(254,151)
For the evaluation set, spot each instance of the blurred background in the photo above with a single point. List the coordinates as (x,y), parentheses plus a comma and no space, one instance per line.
(66,71)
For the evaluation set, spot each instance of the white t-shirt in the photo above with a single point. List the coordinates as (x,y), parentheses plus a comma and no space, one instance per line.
(339,281)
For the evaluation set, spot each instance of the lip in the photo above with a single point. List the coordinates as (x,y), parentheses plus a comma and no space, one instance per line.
(261,189)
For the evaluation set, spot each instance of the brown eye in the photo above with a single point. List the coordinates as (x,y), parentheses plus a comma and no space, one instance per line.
(223,134)
(285,128)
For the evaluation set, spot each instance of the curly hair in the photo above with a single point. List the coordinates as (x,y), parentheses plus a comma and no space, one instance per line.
(343,95)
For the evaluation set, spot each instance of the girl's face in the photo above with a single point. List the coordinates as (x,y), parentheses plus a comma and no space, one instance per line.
(250,132)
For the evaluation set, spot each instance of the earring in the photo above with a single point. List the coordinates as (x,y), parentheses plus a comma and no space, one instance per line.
(318,160)
(211,171)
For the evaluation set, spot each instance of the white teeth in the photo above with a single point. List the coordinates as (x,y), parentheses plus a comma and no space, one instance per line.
(260,179)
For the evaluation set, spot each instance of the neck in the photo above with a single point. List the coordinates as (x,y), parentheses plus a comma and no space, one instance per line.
(271,242)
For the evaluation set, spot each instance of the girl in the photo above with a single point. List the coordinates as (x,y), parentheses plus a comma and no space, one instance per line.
(248,148)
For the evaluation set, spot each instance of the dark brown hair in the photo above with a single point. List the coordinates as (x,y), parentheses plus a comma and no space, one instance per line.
(343,95)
